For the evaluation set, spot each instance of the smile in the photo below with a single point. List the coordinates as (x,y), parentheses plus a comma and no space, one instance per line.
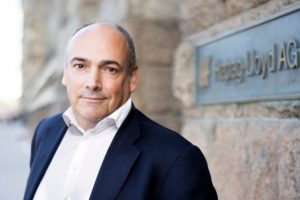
(93,99)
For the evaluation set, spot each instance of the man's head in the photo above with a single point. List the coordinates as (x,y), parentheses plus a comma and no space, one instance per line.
(100,71)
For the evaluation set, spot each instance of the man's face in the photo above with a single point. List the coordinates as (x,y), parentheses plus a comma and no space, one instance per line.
(97,74)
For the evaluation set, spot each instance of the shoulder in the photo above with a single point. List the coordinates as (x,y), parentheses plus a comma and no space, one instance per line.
(52,120)
(178,161)
(46,123)
(150,128)
(42,131)
(160,139)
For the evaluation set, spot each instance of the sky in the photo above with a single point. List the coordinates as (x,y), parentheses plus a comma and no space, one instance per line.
(11,29)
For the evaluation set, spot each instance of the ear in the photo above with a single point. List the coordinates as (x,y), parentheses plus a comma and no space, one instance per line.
(134,79)
(63,80)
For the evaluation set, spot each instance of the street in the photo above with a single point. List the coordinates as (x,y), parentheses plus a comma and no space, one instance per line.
(14,160)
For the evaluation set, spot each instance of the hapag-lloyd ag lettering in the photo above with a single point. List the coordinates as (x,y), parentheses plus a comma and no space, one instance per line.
(280,57)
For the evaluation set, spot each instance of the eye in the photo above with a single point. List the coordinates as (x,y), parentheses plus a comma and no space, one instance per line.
(111,69)
(78,66)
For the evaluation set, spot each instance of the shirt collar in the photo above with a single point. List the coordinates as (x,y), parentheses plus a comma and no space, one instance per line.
(121,113)
(117,117)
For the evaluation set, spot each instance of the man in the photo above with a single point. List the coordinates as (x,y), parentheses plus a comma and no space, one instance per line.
(102,147)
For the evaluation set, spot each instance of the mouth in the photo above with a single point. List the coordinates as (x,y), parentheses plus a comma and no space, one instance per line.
(93,98)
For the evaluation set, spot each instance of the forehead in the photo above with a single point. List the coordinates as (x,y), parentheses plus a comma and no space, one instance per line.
(98,39)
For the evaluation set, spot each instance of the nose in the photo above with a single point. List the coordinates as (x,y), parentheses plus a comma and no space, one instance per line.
(93,81)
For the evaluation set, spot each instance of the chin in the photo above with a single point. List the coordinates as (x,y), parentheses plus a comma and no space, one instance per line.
(93,116)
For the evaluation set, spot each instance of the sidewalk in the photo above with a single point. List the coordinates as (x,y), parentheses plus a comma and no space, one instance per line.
(14,160)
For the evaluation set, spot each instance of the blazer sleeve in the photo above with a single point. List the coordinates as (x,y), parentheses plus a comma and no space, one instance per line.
(189,178)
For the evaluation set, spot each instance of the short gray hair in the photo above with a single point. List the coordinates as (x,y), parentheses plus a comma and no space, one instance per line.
(126,35)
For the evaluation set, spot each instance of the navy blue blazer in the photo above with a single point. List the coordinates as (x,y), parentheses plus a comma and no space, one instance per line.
(144,161)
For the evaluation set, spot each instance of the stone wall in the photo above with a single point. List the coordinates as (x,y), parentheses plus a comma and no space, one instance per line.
(253,149)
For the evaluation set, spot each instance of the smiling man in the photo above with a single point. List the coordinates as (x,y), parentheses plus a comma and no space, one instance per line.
(99,77)
(102,147)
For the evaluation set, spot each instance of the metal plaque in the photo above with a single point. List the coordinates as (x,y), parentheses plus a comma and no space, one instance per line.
(260,62)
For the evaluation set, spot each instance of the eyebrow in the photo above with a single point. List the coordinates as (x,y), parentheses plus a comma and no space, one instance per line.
(79,59)
(109,62)
(101,63)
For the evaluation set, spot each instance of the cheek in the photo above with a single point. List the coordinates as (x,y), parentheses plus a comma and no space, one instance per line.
(112,87)
(116,88)
(71,94)
(73,87)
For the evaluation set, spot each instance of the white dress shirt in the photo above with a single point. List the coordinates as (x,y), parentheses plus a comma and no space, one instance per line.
(74,168)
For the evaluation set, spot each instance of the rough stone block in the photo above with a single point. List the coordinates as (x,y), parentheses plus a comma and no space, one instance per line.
(183,81)
(154,94)
(154,9)
(241,155)
(195,16)
(289,160)
(155,40)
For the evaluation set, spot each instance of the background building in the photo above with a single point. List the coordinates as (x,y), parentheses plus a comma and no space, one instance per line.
(252,148)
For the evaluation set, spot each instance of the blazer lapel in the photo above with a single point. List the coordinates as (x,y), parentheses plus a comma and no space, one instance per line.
(50,143)
(119,160)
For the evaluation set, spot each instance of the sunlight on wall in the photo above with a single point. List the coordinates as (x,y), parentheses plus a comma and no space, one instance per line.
(11,29)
